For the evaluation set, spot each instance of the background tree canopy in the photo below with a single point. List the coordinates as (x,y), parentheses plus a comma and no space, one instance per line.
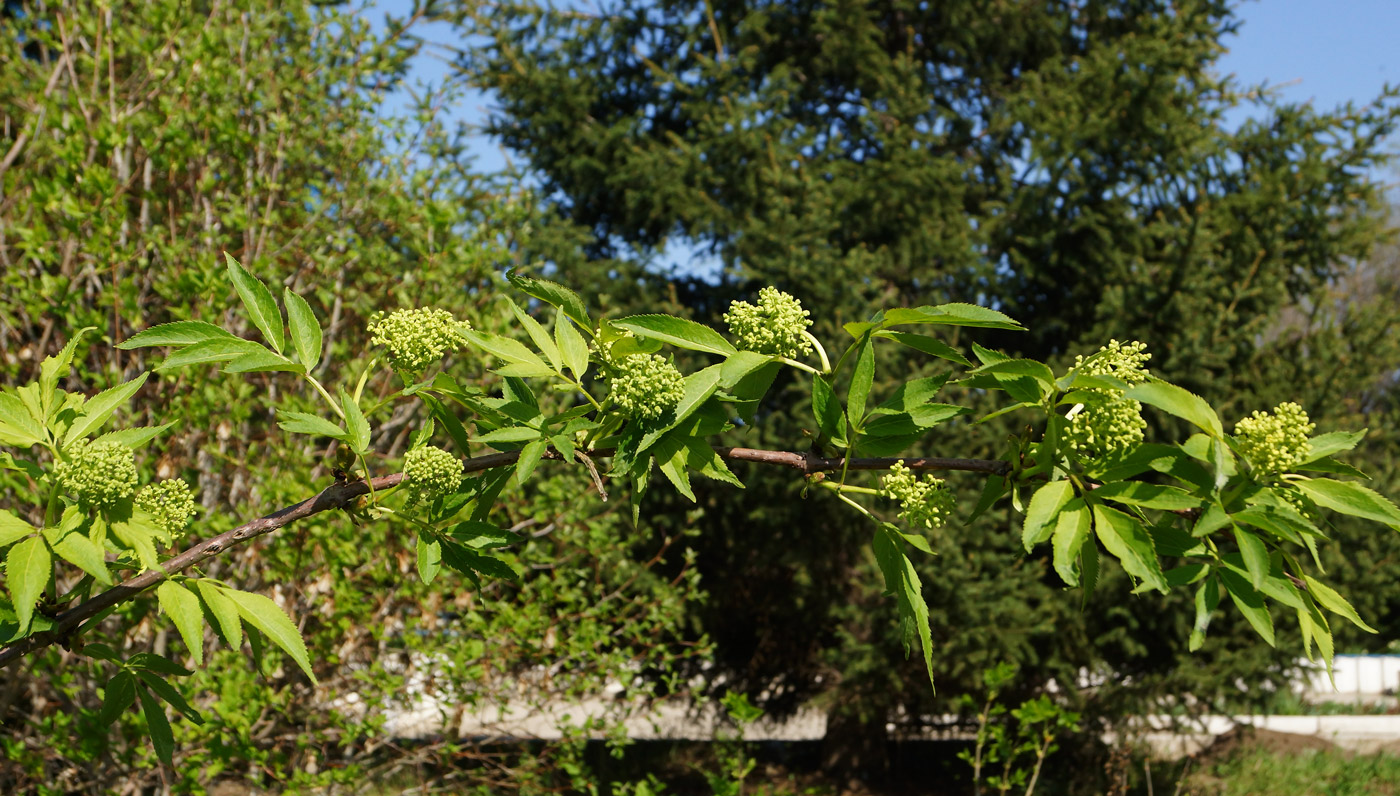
(1069,163)
(141,140)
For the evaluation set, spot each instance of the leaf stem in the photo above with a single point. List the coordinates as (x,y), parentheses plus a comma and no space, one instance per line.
(821,352)
(322,390)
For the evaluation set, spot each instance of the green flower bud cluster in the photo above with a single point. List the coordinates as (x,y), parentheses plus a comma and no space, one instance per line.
(927,503)
(775,326)
(646,386)
(1121,361)
(170,502)
(416,338)
(1115,422)
(97,473)
(1275,442)
(430,473)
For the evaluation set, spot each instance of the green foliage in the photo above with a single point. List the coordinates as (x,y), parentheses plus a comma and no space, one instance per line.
(258,130)
(1105,497)
(1029,735)
(1077,168)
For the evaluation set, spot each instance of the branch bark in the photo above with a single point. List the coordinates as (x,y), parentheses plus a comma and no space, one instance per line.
(340,495)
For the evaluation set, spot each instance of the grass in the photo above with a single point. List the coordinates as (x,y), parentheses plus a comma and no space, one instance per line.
(1313,772)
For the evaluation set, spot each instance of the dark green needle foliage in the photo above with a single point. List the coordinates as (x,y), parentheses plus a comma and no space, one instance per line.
(1081,165)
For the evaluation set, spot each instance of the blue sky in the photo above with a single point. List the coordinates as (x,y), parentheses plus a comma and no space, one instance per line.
(1328,52)
(1325,52)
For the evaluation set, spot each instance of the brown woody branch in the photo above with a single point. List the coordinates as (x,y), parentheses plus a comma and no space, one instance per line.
(342,494)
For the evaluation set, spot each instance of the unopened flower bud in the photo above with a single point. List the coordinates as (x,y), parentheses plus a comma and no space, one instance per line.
(927,503)
(430,473)
(1275,442)
(647,386)
(170,503)
(416,339)
(97,473)
(774,326)
(1113,423)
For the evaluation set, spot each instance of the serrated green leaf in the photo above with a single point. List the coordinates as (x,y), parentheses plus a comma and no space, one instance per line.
(28,567)
(480,535)
(1044,508)
(263,614)
(555,294)
(703,459)
(1329,465)
(1071,531)
(1324,445)
(175,333)
(672,457)
(262,361)
(1125,539)
(223,611)
(861,381)
(219,349)
(530,456)
(1349,498)
(739,366)
(306,330)
(902,582)
(120,694)
(1180,402)
(537,333)
(138,532)
(572,347)
(258,301)
(100,408)
(1207,599)
(79,551)
(158,726)
(1328,598)
(172,697)
(182,606)
(471,563)
(987,356)
(678,332)
(429,559)
(520,361)
(1255,555)
(54,368)
(303,423)
(927,345)
(831,423)
(12,528)
(1151,496)
(1211,520)
(357,427)
(1008,372)
(18,427)
(157,663)
(955,314)
(508,434)
(135,438)
(1250,602)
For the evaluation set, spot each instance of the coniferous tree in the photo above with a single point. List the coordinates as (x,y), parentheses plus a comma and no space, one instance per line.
(1070,163)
